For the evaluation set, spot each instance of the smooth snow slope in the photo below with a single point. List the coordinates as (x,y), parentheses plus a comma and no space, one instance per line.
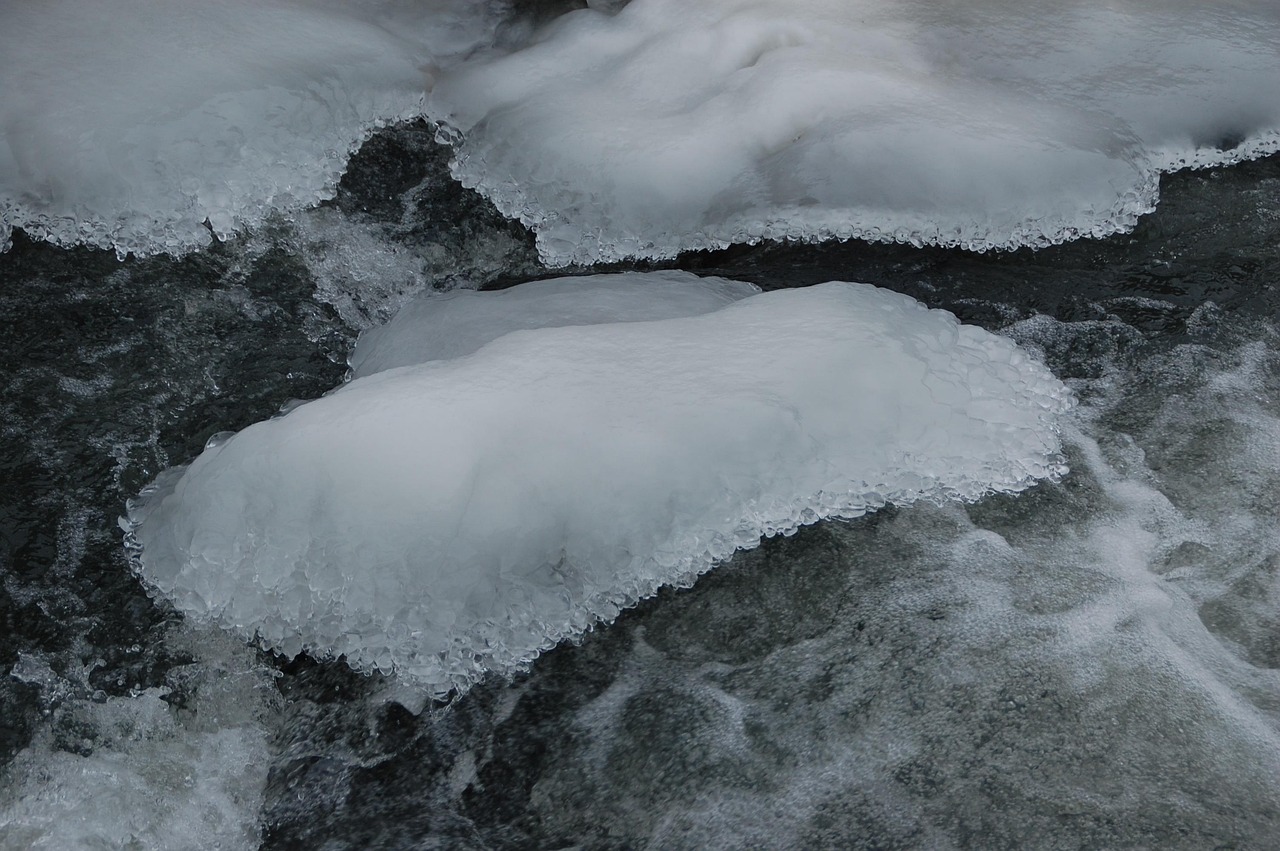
(457,517)
(436,326)
(677,125)
(152,127)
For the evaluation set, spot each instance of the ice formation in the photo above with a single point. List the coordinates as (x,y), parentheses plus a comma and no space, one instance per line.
(672,125)
(460,516)
(1095,665)
(448,325)
(151,127)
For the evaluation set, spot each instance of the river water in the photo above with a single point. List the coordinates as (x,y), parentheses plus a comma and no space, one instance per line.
(1092,663)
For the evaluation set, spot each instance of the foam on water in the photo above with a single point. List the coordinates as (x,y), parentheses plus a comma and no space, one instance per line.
(1091,664)
(153,128)
(457,517)
(148,770)
(449,325)
(671,126)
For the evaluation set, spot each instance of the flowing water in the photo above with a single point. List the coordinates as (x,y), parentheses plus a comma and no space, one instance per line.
(1092,663)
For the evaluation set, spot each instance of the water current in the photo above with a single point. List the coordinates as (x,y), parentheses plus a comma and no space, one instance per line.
(1094,663)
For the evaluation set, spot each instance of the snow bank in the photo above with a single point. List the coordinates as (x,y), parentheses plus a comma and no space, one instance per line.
(438,326)
(673,125)
(132,124)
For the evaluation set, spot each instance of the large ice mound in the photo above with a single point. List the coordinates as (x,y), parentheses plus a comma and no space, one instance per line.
(460,516)
(151,127)
(436,326)
(985,124)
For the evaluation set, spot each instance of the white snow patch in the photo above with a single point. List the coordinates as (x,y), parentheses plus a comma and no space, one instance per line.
(438,326)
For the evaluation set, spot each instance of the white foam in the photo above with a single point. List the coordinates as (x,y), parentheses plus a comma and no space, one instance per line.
(1099,657)
(133,771)
(153,127)
(671,126)
(438,326)
(456,517)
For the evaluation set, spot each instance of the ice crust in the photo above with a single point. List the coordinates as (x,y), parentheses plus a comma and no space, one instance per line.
(154,127)
(438,326)
(671,126)
(456,517)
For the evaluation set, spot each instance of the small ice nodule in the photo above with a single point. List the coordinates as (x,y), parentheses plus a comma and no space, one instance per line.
(444,519)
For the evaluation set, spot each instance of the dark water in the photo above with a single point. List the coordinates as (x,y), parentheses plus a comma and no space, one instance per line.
(1095,663)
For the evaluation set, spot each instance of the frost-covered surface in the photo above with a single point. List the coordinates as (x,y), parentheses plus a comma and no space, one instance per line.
(457,517)
(440,326)
(673,125)
(153,127)
(149,770)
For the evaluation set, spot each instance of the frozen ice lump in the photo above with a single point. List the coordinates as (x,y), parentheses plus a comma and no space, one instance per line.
(454,517)
(151,128)
(671,126)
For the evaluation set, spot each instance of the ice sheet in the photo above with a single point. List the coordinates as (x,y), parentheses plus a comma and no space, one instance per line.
(153,127)
(438,326)
(672,125)
(457,517)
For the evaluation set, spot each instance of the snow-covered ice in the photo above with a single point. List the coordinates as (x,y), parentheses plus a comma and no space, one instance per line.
(437,326)
(455,517)
(153,127)
(671,125)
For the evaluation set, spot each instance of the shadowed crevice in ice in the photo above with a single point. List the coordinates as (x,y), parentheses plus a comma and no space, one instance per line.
(672,126)
(457,517)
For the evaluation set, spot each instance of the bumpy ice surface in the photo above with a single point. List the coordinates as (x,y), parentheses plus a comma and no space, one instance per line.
(132,124)
(448,325)
(674,125)
(456,517)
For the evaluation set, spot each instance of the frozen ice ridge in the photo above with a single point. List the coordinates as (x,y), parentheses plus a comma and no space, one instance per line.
(671,125)
(436,326)
(152,127)
(454,517)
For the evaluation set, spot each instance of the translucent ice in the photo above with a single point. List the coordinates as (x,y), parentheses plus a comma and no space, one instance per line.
(456,517)
(448,325)
(150,127)
(673,125)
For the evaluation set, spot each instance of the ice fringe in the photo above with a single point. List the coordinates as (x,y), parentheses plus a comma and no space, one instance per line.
(152,128)
(675,126)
